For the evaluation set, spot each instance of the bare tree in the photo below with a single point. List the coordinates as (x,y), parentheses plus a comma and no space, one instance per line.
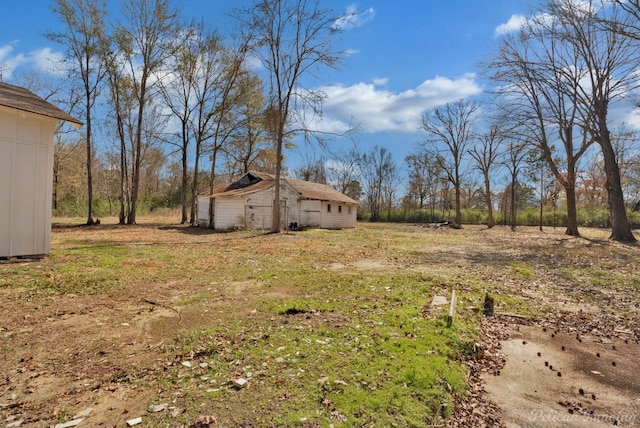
(198,86)
(485,153)
(220,124)
(144,42)
(541,93)
(121,101)
(293,38)
(425,181)
(249,143)
(627,27)
(313,170)
(390,186)
(84,26)
(344,170)
(417,187)
(177,85)
(379,174)
(516,154)
(610,64)
(449,130)
(625,143)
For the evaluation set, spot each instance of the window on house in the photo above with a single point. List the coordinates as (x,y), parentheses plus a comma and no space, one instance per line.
(340,208)
(328,208)
(349,210)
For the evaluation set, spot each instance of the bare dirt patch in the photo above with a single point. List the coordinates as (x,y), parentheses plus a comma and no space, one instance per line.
(560,378)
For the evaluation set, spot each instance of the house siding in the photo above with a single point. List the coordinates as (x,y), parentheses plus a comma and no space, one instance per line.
(203,210)
(259,210)
(339,216)
(26,168)
(300,203)
(309,213)
(229,213)
(290,205)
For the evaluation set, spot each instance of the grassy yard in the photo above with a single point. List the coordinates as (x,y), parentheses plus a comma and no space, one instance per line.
(327,327)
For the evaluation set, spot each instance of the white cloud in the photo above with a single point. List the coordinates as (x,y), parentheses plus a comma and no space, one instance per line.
(44,60)
(353,19)
(253,62)
(48,61)
(515,23)
(375,109)
(630,117)
(8,61)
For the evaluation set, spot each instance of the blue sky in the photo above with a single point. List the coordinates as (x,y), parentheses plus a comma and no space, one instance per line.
(406,57)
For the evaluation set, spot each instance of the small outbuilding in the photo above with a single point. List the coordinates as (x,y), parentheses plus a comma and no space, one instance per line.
(27,128)
(248,204)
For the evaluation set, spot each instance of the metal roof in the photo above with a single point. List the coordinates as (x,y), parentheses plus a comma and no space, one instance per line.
(25,100)
(258,181)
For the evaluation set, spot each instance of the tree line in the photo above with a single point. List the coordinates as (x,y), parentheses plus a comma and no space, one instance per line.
(177,103)
(182,109)
(549,118)
(163,89)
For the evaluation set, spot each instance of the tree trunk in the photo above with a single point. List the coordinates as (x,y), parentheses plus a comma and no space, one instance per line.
(457,194)
(275,228)
(124,178)
(513,203)
(620,227)
(212,204)
(183,187)
(458,212)
(89,168)
(572,212)
(487,189)
(135,184)
(541,197)
(135,174)
(55,187)
(194,186)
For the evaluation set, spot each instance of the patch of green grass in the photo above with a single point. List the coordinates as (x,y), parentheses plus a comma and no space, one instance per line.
(521,270)
(363,356)
(568,274)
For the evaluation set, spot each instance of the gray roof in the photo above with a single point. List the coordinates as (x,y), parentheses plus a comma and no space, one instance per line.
(25,100)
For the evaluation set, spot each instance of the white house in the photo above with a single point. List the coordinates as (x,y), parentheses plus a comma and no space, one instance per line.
(248,204)
(27,128)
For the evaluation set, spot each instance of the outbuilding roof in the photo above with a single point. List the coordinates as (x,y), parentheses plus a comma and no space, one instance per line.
(25,100)
(254,181)
(311,190)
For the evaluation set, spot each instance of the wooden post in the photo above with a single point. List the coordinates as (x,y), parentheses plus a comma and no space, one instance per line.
(452,309)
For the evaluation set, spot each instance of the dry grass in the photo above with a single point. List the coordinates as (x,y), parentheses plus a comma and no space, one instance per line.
(326,325)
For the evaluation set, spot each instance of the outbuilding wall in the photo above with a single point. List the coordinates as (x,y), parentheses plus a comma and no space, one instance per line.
(229,213)
(26,168)
(335,215)
(310,213)
(259,210)
(254,210)
(203,210)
